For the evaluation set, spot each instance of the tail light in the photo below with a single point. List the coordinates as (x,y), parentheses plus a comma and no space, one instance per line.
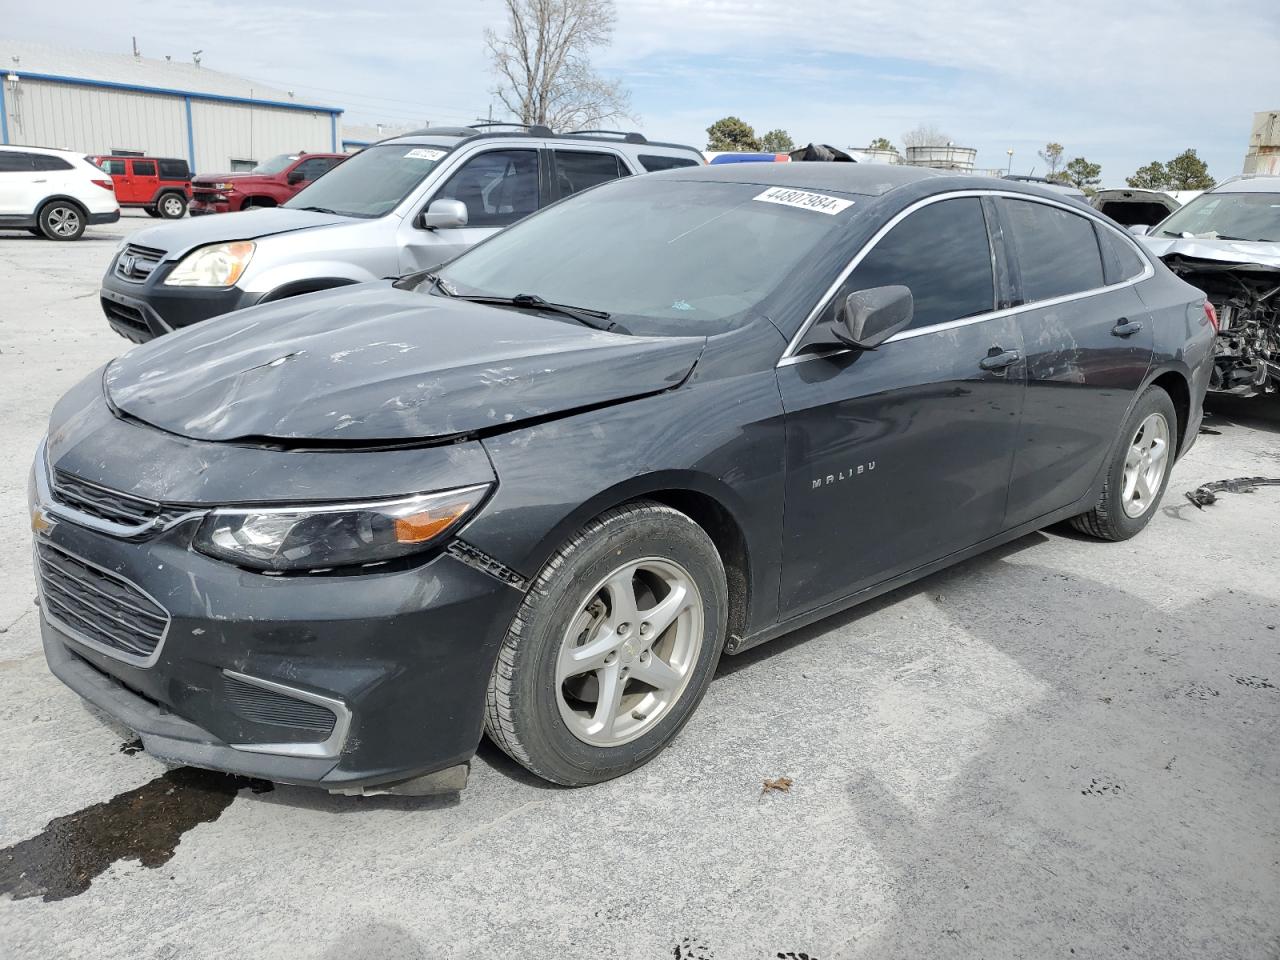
(106,185)
(1212,315)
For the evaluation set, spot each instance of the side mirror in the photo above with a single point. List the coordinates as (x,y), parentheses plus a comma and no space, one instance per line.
(444,213)
(1139,229)
(870,317)
(295,176)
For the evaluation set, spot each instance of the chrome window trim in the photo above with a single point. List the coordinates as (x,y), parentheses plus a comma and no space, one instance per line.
(790,357)
(329,749)
(76,635)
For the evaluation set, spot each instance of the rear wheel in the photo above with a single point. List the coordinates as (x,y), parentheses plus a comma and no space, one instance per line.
(61,220)
(172,206)
(1138,473)
(612,648)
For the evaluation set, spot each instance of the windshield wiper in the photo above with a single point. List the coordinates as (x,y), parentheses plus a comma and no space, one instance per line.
(320,210)
(596,319)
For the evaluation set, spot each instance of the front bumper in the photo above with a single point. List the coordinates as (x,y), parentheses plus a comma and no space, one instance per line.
(200,207)
(399,659)
(146,310)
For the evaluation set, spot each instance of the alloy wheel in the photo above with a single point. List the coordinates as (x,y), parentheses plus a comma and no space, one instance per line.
(1144,465)
(629,651)
(64,221)
(172,207)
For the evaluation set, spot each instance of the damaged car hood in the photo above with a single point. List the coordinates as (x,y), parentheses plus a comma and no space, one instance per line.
(1238,252)
(373,363)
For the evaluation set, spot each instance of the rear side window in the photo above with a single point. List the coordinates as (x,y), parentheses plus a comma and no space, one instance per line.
(1120,261)
(175,170)
(1056,249)
(941,252)
(14,162)
(144,168)
(43,161)
(652,162)
(113,167)
(577,170)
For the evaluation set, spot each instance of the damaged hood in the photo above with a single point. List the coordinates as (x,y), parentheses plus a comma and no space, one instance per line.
(1227,252)
(374,363)
(179,236)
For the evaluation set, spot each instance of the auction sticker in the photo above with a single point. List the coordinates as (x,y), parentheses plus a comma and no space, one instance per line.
(819,202)
(423,154)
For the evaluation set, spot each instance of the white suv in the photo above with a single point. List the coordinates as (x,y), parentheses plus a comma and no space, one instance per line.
(53,193)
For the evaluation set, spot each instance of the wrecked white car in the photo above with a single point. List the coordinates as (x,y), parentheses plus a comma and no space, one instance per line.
(1227,243)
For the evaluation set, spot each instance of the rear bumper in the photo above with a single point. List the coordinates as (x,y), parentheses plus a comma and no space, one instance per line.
(96,219)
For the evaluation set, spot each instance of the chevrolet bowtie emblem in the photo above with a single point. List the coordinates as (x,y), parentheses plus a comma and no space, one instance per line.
(41,522)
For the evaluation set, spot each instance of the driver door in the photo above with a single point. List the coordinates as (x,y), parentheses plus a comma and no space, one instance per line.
(497,186)
(901,455)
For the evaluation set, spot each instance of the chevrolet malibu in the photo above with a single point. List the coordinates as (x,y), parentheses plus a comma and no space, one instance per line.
(539,492)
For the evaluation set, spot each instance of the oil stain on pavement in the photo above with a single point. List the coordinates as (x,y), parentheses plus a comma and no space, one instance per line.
(144,824)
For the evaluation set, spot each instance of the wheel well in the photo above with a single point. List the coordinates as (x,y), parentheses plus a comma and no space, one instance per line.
(727,535)
(299,287)
(1175,385)
(71,200)
(257,202)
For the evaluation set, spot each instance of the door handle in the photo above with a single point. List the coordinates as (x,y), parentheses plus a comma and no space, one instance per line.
(1125,328)
(999,361)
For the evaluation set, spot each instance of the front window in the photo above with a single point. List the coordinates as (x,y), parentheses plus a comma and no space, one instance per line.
(1226,216)
(660,256)
(275,164)
(372,183)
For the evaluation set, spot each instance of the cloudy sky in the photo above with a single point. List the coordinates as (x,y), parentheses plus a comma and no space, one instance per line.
(1120,83)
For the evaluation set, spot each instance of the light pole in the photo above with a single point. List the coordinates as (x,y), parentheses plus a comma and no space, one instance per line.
(1010,153)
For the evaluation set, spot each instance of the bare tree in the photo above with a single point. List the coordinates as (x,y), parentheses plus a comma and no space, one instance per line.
(925,135)
(543,64)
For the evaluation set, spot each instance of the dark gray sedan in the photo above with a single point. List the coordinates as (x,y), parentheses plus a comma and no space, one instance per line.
(538,493)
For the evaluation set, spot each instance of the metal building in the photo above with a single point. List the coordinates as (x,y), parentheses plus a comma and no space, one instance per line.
(1264,144)
(99,103)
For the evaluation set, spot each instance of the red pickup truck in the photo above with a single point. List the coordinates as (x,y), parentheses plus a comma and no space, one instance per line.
(269,184)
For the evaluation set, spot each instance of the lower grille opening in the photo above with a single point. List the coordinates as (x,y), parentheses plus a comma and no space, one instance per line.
(259,705)
(125,315)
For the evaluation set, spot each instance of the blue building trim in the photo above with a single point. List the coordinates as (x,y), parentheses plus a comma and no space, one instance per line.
(333,131)
(171,92)
(191,137)
(4,115)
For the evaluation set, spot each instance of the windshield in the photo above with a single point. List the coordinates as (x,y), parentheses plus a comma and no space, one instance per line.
(1226,216)
(660,256)
(275,164)
(372,183)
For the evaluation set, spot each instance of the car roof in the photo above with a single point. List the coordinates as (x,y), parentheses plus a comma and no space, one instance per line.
(55,151)
(453,136)
(867,179)
(1249,184)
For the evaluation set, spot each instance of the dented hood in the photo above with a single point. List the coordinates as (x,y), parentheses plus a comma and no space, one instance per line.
(374,363)
(1241,252)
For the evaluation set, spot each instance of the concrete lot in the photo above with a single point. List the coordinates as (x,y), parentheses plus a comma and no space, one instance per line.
(1061,748)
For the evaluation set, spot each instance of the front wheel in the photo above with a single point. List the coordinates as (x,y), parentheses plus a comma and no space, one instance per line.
(172,206)
(1138,472)
(60,220)
(612,648)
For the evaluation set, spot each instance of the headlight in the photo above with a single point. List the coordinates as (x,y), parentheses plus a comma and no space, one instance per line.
(224,186)
(341,535)
(217,265)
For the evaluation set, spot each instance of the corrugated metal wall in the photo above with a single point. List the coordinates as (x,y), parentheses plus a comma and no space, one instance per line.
(94,120)
(227,131)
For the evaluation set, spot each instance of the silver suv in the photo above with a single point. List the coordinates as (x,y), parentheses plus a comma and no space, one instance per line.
(398,207)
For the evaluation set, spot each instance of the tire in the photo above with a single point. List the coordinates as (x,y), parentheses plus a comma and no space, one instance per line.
(151,212)
(1125,507)
(171,206)
(542,713)
(61,220)
(257,203)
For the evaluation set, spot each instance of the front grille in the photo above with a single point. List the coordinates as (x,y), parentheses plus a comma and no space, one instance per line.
(99,606)
(126,316)
(260,705)
(136,263)
(71,491)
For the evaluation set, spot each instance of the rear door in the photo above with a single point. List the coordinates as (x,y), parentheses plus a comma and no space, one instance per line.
(1088,345)
(143,182)
(579,169)
(498,186)
(308,170)
(900,455)
(17,173)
